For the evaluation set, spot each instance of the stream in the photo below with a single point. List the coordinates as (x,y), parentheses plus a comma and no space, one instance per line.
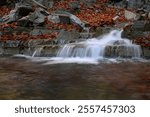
(107,67)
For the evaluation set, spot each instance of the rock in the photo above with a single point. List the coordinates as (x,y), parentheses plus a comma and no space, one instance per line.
(76,20)
(135,3)
(122,50)
(101,31)
(17,13)
(50,4)
(11,44)
(74,5)
(141,26)
(40,31)
(54,18)
(36,18)
(33,43)
(1,33)
(138,25)
(66,36)
(147,7)
(149,15)
(25,22)
(137,29)
(130,15)
(146,52)
(66,17)
(11,17)
(23,10)
(1,20)
(46,3)
(90,1)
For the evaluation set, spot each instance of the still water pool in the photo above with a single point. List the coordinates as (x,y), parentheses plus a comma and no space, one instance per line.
(24,79)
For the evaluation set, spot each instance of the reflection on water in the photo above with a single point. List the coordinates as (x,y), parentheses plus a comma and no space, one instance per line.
(23,79)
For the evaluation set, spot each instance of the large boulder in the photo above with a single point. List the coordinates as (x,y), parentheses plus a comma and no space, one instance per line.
(20,11)
(36,18)
(66,17)
(130,15)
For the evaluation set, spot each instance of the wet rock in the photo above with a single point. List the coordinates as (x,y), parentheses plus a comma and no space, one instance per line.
(146,52)
(122,51)
(10,43)
(66,36)
(101,31)
(33,43)
(46,50)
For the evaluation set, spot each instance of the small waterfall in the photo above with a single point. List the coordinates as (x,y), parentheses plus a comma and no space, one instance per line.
(37,52)
(110,45)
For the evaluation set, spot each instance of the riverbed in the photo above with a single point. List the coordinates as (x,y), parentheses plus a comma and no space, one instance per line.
(21,78)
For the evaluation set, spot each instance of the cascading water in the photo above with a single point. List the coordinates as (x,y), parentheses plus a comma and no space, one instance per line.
(109,48)
(111,45)
(37,52)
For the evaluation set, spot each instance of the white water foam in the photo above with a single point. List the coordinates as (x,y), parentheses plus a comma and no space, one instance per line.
(111,45)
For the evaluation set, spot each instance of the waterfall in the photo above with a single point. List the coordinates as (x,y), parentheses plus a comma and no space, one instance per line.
(110,45)
(108,48)
(37,52)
